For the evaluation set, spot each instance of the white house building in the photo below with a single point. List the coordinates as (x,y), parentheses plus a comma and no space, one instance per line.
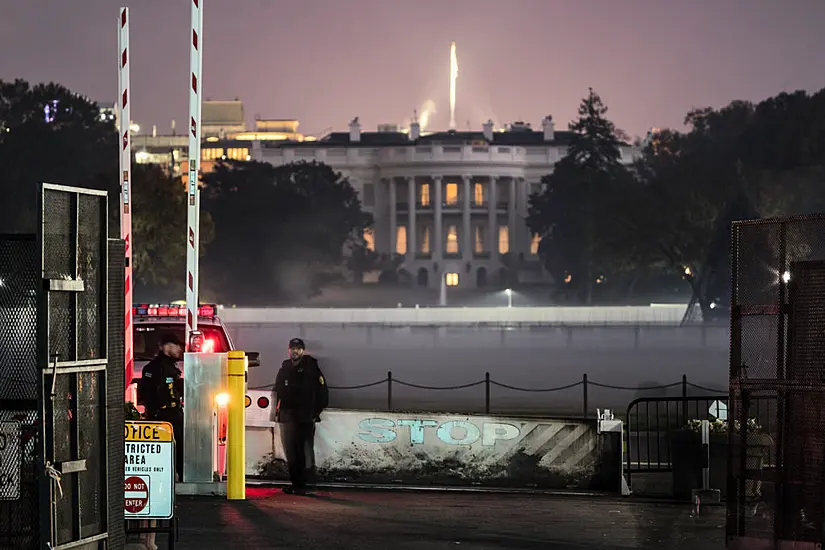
(452,204)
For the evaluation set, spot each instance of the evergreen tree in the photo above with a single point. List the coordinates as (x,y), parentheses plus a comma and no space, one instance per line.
(573,212)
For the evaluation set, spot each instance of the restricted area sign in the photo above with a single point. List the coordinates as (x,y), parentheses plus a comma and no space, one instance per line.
(150,470)
(11,460)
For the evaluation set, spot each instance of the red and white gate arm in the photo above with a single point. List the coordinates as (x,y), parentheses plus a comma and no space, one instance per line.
(193,193)
(124,120)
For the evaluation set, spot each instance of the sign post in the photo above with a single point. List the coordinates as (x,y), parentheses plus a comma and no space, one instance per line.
(149,470)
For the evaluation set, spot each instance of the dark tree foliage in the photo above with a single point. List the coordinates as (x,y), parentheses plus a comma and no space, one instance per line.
(281,232)
(574,208)
(48,134)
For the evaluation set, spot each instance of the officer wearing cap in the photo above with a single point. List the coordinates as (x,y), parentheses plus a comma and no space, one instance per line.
(301,396)
(160,390)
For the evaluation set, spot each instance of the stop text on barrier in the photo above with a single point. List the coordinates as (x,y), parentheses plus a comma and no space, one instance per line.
(452,432)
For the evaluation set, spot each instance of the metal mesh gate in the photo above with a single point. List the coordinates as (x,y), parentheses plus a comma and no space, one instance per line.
(115,381)
(19,394)
(776,463)
(72,343)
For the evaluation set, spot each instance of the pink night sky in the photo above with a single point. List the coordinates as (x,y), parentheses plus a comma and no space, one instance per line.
(327,61)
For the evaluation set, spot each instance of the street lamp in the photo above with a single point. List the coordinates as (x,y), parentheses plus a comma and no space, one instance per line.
(509,294)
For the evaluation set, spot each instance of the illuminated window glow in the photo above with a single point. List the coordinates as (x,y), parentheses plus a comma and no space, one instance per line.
(401,239)
(369,239)
(479,244)
(534,244)
(503,239)
(452,240)
(451,279)
(424,196)
(478,194)
(425,240)
(451,195)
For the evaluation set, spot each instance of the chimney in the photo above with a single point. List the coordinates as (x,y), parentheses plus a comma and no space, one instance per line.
(415,130)
(354,131)
(488,130)
(549,128)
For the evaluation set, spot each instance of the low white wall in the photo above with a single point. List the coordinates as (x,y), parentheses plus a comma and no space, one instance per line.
(365,446)
(659,314)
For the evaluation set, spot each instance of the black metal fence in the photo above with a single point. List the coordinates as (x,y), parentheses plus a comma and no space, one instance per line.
(652,422)
(777,351)
(488,383)
(19,394)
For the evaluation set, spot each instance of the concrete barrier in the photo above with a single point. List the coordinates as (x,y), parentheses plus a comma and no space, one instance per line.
(378,447)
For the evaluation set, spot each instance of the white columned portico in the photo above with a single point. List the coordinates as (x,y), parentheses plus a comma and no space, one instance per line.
(393,218)
(412,235)
(438,234)
(511,217)
(467,242)
(492,218)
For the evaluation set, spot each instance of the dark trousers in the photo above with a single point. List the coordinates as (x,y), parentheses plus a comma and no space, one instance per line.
(298,439)
(175,417)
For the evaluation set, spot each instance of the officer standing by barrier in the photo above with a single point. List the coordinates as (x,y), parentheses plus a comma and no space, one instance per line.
(301,395)
(160,390)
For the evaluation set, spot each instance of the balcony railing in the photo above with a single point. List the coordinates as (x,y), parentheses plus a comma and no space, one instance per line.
(423,255)
(454,153)
(483,255)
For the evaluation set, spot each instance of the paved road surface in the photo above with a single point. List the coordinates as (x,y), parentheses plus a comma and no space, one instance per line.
(360,520)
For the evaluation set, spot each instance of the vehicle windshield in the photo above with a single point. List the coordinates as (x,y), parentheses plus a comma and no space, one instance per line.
(147,338)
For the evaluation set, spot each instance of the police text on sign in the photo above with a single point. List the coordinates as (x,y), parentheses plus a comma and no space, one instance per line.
(150,470)
(11,460)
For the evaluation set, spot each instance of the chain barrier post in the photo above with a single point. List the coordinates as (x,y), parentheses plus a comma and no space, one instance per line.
(584,394)
(487,393)
(389,391)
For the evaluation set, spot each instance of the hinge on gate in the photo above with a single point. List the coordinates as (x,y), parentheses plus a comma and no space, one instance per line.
(63,285)
(71,466)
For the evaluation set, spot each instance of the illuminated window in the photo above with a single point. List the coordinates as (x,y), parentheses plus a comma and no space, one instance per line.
(534,244)
(478,194)
(425,240)
(211,154)
(369,239)
(451,279)
(479,248)
(452,240)
(503,239)
(451,196)
(425,194)
(401,239)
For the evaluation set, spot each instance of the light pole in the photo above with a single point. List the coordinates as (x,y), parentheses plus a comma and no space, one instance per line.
(509,294)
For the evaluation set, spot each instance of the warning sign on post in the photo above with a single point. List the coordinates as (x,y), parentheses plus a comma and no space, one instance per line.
(150,470)
(11,460)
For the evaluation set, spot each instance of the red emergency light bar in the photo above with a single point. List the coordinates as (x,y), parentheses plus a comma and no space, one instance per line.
(171,310)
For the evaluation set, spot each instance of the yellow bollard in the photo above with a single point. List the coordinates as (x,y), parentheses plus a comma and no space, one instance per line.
(236,436)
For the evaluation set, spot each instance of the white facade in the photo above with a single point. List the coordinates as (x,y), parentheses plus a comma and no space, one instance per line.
(453,204)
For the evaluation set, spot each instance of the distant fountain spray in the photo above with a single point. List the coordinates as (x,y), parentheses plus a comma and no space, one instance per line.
(453,76)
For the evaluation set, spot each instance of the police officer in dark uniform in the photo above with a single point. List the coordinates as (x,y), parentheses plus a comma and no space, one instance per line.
(160,390)
(301,396)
